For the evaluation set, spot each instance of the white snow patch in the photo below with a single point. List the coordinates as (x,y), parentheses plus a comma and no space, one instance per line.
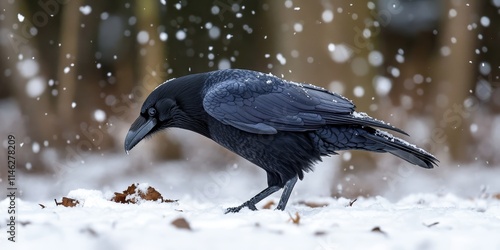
(327,16)
(394,72)
(339,53)
(445,51)
(281,58)
(213,33)
(163,36)
(375,58)
(35,147)
(99,115)
(20,17)
(427,221)
(142,37)
(35,87)
(224,64)
(485,21)
(297,27)
(359,91)
(85,10)
(452,13)
(484,68)
(27,68)
(66,70)
(73,105)
(180,35)
(382,85)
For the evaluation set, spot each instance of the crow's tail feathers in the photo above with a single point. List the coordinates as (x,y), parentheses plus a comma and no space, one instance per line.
(403,149)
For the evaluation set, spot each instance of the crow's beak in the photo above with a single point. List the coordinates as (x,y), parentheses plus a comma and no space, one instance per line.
(139,129)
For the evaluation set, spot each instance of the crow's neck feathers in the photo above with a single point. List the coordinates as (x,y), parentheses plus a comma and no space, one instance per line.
(186,92)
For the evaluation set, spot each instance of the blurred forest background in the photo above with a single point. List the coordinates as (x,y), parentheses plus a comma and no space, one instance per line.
(74,73)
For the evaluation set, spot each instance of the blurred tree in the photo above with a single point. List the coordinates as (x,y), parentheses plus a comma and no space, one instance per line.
(79,70)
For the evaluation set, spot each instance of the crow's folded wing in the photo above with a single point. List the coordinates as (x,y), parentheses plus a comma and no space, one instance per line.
(268,105)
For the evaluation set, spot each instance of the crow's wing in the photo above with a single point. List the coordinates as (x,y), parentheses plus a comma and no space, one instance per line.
(265,105)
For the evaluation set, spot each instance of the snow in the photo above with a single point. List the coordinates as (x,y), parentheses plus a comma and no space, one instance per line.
(420,221)
(358,91)
(180,35)
(163,36)
(484,68)
(452,13)
(445,51)
(20,17)
(297,27)
(485,21)
(395,72)
(99,115)
(35,147)
(327,16)
(339,53)
(281,58)
(382,84)
(375,58)
(35,87)
(85,10)
(213,33)
(142,37)
(28,68)
(224,64)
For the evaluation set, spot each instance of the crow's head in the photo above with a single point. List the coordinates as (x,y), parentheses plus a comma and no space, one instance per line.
(176,103)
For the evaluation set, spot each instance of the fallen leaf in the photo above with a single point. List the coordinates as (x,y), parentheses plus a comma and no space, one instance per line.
(497,196)
(67,202)
(268,205)
(134,195)
(312,204)
(295,220)
(181,223)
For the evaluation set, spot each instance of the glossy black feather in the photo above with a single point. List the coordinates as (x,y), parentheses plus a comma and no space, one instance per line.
(262,103)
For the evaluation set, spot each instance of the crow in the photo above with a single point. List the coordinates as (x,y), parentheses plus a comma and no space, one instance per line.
(281,126)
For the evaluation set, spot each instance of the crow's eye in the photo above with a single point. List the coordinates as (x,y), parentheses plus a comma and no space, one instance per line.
(152,111)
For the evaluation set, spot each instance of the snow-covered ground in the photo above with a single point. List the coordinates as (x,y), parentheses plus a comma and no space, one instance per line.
(451,212)
(420,221)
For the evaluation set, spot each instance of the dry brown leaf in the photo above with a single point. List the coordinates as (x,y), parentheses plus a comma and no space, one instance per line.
(313,204)
(67,202)
(181,223)
(132,195)
(268,205)
(295,220)
(497,196)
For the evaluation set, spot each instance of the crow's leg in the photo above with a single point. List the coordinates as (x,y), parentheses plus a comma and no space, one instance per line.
(287,191)
(256,199)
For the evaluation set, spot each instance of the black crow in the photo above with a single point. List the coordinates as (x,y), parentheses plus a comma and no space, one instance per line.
(281,126)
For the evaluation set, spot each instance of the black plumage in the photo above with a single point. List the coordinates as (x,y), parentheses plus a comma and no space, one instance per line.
(281,126)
